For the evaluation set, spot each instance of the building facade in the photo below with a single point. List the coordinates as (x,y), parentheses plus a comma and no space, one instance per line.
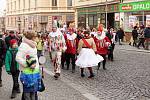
(91,12)
(37,15)
(134,13)
(2,24)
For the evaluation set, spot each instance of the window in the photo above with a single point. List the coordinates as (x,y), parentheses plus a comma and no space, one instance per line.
(24,4)
(15,5)
(19,4)
(54,2)
(69,2)
(35,3)
(29,4)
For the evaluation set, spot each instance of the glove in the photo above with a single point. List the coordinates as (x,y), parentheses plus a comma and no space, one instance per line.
(9,72)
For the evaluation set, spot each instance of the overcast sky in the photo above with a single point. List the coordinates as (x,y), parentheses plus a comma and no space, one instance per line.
(2,6)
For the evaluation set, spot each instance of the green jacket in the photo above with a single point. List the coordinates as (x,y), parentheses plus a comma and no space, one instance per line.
(8,60)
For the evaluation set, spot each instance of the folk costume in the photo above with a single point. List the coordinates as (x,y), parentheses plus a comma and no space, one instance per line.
(57,46)
(71,49)
(102,44)
(87,57)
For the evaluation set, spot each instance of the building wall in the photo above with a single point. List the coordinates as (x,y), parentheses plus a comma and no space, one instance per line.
(35,14)
(92,12)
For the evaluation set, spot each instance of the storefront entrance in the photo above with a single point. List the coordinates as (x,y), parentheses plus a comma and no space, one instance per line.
(110,20)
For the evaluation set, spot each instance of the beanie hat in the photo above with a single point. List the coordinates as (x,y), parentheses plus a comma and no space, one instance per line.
(13,41)
(30,60)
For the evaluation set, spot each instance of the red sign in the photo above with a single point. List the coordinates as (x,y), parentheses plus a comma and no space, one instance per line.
(129,7)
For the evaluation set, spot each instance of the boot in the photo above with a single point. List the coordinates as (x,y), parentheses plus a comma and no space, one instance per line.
(73,68)
(82,72)
(104,68)
(91,72)
(99,65)
(0,83)
(13,95)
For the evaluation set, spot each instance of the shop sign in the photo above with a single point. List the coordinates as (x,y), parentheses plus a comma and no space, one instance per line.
(147,20)
(135,6)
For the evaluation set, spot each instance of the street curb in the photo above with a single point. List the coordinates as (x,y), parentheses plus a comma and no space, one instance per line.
(144,51)
(74,86)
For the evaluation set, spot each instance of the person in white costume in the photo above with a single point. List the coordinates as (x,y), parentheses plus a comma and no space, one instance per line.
(56,46)
(87,57)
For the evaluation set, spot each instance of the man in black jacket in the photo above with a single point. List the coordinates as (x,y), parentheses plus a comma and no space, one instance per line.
(135,35)
(147,37)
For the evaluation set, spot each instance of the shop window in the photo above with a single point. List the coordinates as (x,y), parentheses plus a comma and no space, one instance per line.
(92,21)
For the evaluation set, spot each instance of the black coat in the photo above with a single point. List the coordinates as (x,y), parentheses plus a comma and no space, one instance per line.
(134,33)
(147,33)
(120,34)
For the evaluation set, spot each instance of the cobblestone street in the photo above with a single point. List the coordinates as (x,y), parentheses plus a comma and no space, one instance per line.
(127,78)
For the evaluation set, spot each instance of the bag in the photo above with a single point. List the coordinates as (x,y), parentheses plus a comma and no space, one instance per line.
(42,86)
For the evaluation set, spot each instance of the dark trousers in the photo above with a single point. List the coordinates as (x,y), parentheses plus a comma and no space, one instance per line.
(15,81)
(72,58)
(104,61)
(0,73)
(134,41)
(147,41)
(1,65)
(29,96)
(63,59)
(141,41)
(39,53)
(111,55)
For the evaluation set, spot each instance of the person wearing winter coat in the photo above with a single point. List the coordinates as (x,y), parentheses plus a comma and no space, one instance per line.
(141,37)
(12,66)
(134,35)
(147,37)
(71,49)
(2,56)
(120,34)
(30,75)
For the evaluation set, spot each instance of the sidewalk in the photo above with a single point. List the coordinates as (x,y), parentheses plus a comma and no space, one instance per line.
(55,90)
(127,47)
